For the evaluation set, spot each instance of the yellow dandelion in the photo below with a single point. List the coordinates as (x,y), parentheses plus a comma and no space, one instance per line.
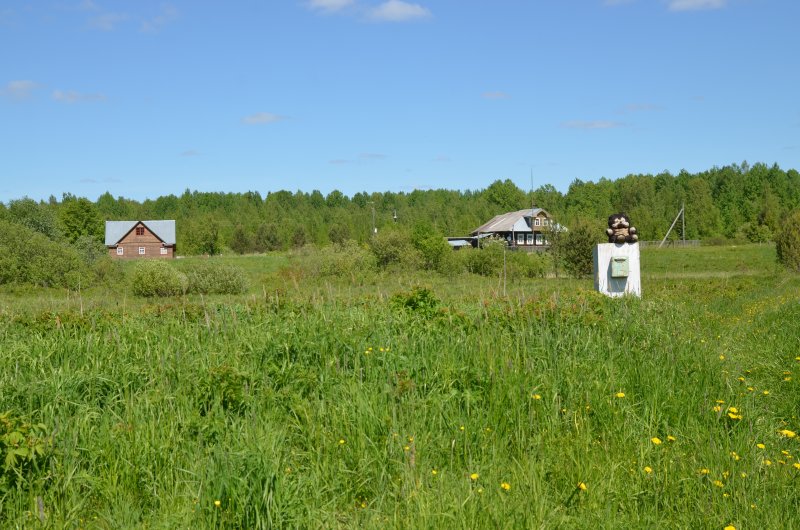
(717,409)
(480,490)
(536,396)
(765,392)
(750,388)
(726,474)
(787,433)
(768,462)
(620,395)
(434,472)
(474,476)
(734,416)
(505,485)
(787,378)
(406,448)
(461,428)
(721,357)
(796,465)
(648,469)
(741,379)
(743,474)
(341,441)
(656,440)
(761,446)
(733,409)
(704,471)
(363,504)
(735,455)
(719,484)
(411,439)
(582,486)
(671,438)
(217,503)
(720,401)
(785,453)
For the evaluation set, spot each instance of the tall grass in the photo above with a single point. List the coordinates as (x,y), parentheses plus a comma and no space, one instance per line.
(328,405)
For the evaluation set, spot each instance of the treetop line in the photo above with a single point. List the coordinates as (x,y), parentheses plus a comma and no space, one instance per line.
(738,201)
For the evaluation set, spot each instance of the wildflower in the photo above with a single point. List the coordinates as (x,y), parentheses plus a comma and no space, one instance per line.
(671,438)
(406,448)
(743,474)
(761,446)
(620,395)
(474,476)
(785,453)
(704,471)
(721,357)
(648,469)
(733,409)
(787,433)
(505,485)
(768,462)
(480,490)
(734,455)
(741,379)
(720,401)
(363,504)
(787,378)
(719,484)
(734,416)
(796,465)
(765,392)
(341,441)
(461,428)
(582,486)
(750,388)
(726,474)
(217,503)
(536,396)
(434,472)
(655,440)
(730,527)
(411,439)
(717,409)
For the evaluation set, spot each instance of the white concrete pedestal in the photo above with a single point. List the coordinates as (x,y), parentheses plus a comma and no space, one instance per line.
(608,285)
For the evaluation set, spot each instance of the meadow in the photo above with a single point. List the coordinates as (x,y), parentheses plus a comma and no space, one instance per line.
(408,401)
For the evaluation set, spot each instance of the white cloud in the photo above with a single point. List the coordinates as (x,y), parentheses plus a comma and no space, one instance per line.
(168,14)
(694,5)
(495,95)
(592,125)
(19,90)
(76,97)
(107,21)
(398,11)
(329,6)
(262,117)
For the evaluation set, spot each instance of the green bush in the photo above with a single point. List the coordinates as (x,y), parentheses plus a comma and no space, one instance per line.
(527,264)
(393,249)
(25,449)
(346,260)
(158,278)
(787,242)
(577,247)
(216,278)
(488,260)
(28,257)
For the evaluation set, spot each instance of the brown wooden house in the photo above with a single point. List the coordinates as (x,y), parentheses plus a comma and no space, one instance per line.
(523,229)
(140,239)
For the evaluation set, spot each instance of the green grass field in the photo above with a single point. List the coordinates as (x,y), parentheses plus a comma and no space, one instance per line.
(409,401)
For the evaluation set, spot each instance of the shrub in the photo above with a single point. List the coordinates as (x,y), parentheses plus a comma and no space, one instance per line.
(787,242)
(29,257)
(488,260)
(527,264)
(216,278)
(577,248)
(393,249)
(347,260)
(419,300)
(157,278)
(25,449)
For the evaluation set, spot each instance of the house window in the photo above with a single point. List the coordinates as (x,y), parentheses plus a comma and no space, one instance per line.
(545,222)
(120,251)
(539,239)
(141,251)
(163,251)
(537,222)
(520,239)
(140,232)
(529,239)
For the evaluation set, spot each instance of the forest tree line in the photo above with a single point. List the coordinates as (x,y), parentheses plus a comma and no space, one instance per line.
(739,202)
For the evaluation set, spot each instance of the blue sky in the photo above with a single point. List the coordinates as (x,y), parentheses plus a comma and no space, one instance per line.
(145,98)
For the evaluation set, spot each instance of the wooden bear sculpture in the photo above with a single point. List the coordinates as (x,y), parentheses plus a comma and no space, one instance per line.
(620,230)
